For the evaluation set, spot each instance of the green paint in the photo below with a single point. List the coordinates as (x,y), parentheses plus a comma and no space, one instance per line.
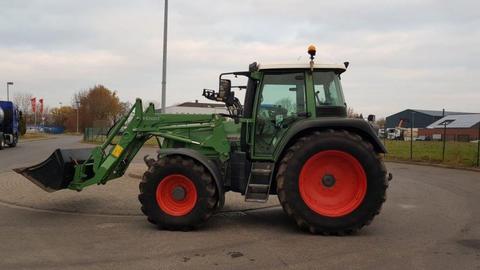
(208,134)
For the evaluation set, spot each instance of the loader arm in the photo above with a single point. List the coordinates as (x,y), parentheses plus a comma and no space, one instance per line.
(202,132)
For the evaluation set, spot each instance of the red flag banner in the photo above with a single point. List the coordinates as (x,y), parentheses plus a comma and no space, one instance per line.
(34,104)
(41,105)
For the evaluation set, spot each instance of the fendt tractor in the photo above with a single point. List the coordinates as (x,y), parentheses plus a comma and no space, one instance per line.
(291,137)
(9,124)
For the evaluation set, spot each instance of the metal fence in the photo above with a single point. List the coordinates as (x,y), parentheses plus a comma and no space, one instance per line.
(95,134)
(449,150)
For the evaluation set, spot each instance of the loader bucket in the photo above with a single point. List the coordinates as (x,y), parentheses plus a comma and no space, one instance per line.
(57,171)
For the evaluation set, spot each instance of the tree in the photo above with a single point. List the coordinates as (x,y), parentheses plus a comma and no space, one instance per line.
(287,104)
(99,106)
(65,117)
(22,125)
(352,114)
(124,108)
(381,122)
(23,101)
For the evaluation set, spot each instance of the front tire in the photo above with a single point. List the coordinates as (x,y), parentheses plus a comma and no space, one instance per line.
(331,182)
(177,193)
(15,141)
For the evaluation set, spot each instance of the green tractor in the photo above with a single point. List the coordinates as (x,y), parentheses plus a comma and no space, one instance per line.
(291,137)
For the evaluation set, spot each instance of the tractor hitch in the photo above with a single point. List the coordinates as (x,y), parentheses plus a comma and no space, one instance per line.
(57,172)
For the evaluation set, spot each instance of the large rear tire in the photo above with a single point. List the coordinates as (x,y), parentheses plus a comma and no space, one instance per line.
(331,182)
(177,193)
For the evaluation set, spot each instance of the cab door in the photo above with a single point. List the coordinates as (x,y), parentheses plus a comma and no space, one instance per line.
(280,102)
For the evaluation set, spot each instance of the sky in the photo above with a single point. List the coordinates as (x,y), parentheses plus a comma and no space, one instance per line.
(403,54)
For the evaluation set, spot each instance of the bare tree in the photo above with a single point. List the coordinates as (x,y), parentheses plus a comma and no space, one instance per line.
(287,104)
(381,122)
(352,114)
(23,101)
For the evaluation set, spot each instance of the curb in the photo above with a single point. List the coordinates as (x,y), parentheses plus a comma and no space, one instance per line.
(36,139)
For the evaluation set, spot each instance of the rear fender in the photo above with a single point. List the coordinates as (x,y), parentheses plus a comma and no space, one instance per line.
(301,128)
(205,161)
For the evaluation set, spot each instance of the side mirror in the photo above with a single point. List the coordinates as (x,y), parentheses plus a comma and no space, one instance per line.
(371,118)
(224,89)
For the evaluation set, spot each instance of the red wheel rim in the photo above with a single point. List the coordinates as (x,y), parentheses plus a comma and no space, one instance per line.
(349,183)
(168,202)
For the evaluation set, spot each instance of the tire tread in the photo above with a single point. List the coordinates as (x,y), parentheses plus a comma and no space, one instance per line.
(287,159)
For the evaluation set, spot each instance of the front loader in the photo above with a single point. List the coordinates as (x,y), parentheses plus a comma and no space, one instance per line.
(291,137)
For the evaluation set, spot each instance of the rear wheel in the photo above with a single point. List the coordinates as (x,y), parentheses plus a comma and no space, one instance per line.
(331,182)
(177,193)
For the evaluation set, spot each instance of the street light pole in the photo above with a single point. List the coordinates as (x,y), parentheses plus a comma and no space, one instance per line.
(164,68)
(412,123)
(8,90)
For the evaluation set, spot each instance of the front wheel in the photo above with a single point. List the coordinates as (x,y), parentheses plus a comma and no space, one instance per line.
(177,193)
(15,141)
(331,182)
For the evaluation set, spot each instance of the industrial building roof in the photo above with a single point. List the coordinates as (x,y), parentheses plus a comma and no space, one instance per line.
(457,121)
(438,113)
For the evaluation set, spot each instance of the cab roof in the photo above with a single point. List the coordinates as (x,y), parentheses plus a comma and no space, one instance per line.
(339,67)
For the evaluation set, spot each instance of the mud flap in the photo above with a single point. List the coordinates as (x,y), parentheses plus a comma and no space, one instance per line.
(58,170)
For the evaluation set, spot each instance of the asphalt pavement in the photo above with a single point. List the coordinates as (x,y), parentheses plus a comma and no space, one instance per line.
(431,220)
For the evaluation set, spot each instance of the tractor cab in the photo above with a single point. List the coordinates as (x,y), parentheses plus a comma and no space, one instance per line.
(277,97)
(287,94)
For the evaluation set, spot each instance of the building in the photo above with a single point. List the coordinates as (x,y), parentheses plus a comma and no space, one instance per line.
(420,118)
(196,108)
(456,127)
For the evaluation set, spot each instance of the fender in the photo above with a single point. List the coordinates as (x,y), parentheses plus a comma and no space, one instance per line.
(205,161)
(358,126)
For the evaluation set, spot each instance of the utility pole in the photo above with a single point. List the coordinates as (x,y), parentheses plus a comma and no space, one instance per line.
(35,115)
(8,90)
(478,146)
(164,67)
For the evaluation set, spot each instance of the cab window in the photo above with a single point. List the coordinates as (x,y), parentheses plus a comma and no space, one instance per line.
(328,91)
(281,99)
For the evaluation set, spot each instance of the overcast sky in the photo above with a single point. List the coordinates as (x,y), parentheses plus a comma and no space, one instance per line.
(403,54)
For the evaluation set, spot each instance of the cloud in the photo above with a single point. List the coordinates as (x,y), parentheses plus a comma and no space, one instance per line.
(421,54)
